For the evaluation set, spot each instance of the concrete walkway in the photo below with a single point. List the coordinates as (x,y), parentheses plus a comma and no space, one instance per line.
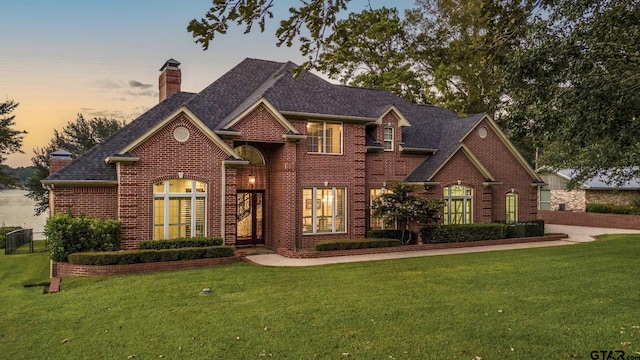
(577,234)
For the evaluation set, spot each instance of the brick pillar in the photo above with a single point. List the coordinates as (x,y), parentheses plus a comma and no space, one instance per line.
(230,207)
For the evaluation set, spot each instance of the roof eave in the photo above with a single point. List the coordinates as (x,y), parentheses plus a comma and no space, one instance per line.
(79,182)
(121,159)
(343,118)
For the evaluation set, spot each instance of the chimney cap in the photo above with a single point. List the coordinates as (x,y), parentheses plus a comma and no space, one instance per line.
(170,64)
(60,154)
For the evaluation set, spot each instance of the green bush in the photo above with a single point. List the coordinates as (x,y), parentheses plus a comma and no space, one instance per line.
(347,244)
(410,237)
(67,234)
(525,229)
(4,231)
(180,243)
(149,256)
(612,209)
(463,233)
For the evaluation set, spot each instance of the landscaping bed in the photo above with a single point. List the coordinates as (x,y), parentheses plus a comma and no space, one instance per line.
(313,254)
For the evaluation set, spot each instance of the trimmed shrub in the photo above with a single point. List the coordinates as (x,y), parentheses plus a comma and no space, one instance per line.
(180,243)
(348,244)
(67,234)
(3,233)
(463,233)
(149,256)
(525,229)
(410,237)
(612,209)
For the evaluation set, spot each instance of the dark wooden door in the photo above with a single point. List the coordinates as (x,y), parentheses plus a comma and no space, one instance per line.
(249,217)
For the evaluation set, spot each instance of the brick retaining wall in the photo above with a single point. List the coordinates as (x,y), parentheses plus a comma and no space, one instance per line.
(60,269)
(614,221)
(321,254)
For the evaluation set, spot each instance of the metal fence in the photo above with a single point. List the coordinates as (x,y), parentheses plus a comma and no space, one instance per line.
(17,238)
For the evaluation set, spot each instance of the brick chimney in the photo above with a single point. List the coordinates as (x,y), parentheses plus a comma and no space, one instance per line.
(58,159)
(170,79)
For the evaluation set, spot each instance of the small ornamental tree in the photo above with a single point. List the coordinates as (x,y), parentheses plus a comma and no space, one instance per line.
(400,201)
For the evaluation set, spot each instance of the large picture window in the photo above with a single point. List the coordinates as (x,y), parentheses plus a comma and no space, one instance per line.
(324,137)
(324,210)
(512,207)
(458,205)
(379,223)
(178,209)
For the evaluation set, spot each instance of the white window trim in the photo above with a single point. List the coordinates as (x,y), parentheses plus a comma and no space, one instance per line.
(464,199)
(393,137)
(314,219)
(324,138)
(193,195)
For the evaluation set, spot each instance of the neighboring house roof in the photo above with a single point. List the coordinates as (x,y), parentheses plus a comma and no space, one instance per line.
(251,81)
(600,182)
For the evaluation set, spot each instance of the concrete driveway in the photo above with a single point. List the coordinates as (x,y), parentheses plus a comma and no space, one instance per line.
(577,234)
(584,233)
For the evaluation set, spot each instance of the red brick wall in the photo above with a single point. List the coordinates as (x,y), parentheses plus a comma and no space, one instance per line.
(162,158)
(495,156)
(613,221)
(100,201)
(344,170)
(461,168)
(388,165)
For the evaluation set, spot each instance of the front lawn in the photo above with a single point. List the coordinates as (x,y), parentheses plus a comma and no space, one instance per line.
(545,303)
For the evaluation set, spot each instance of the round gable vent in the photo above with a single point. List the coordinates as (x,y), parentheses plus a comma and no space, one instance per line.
(181,134)
(482,132)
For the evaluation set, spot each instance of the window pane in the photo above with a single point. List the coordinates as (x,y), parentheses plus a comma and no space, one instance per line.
(324,215)
(158,188)
(307,210)
(180,186)
(158,219)
(333,138)
(457,190)
(200,204)
(340,210)
(511,205)
(200,187)
(314,136)
(179,217)
(375,223)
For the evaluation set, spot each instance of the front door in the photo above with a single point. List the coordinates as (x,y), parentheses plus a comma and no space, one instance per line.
(249,217)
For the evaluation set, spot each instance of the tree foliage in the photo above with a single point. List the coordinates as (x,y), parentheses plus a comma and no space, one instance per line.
(10,139)
(372,49)
(308,23)
(574,87)
(400,201)
(77,138)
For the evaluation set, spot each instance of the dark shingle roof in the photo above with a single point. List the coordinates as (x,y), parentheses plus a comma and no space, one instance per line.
(219,103)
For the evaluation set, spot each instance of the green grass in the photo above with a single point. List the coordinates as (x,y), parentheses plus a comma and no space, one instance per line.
(546,303)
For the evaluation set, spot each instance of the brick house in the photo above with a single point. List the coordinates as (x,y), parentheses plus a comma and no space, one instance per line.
(259,157)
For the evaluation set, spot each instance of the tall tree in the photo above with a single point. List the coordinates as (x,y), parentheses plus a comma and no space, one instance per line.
(10,139)
(76,137)
(372,49)
(574,87)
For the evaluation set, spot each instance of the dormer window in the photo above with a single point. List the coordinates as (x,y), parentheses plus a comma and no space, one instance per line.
(388,138)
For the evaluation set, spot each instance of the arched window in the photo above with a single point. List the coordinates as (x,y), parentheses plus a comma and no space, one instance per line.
(250,153)
(458,205)
(512,207)
(179,209)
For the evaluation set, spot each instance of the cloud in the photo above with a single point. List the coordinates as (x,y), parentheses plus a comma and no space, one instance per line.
(138,84)
(106,84)
(142,93)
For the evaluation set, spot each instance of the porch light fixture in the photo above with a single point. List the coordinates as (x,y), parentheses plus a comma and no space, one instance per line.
(252,179)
